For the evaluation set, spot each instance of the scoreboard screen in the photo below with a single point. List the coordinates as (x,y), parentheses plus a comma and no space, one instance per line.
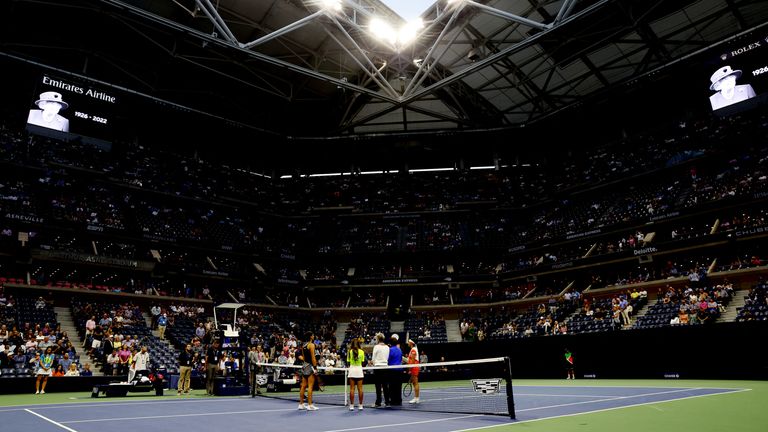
(64,107)
(737,74)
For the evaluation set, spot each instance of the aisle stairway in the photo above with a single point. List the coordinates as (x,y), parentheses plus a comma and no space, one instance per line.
(340,331)
(399,328)
(732,310)
(643,310)
(452,330)
(64,317)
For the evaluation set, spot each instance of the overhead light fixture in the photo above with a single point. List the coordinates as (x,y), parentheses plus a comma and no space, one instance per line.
(410,31)
(382,30)
(331,5)
(401,37)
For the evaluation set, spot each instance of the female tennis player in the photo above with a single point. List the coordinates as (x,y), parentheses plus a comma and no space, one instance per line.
(44,365)
(355,359)
(308,371)
(413,358)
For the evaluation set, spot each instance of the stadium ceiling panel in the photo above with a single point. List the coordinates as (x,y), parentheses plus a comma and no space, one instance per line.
(356,65)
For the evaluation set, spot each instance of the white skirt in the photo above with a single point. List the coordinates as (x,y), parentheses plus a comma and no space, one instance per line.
(41,371)
(355,372)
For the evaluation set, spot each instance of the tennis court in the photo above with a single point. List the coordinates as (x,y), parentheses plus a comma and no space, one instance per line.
(533,403)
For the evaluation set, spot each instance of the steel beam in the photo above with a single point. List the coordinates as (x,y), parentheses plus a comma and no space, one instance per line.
(506,15)
(283,31)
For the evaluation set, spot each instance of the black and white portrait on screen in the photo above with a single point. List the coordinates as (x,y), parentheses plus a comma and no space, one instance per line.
(728,93)
(50,104)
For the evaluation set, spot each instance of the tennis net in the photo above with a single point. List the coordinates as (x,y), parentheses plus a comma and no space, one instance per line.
(481,386)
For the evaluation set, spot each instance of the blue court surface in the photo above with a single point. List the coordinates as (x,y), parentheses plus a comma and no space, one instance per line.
(241,414)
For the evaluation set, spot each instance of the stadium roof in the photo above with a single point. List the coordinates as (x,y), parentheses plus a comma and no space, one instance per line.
(316,68)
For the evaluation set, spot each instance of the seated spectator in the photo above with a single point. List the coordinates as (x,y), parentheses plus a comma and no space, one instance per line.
(59,371)
(65,362)
(72,370)
(86,372)
(40,303)
(113,363)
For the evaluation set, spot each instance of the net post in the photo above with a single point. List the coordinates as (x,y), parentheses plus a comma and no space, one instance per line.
(347,402)
(510,396)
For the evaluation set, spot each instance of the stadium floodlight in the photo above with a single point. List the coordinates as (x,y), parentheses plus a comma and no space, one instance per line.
(400,37)
(409,31)
(331,5)
(382,30)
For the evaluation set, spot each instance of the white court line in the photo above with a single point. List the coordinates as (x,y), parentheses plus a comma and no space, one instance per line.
(189,415)
(564,395)
(611,398)
(109,404)
(616,386)
(50,421)
(513,422)
(467,396)
(406,423)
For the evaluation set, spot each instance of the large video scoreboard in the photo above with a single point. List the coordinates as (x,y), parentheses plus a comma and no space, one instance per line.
(736,75)
(63,107)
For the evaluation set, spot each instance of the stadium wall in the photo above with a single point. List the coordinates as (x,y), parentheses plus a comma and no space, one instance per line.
(716,351)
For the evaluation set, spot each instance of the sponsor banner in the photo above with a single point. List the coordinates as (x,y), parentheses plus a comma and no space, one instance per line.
(93,259)
(287,281)
(645,251)
(216,273)
(24,218)
(102,228)
(562,265)
(664,216)
(516,249)
(751,231)
(583,234)
(160,238)
(399,281)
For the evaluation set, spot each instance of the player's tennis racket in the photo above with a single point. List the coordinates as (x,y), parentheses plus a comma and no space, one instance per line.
(319,383)
(408,387)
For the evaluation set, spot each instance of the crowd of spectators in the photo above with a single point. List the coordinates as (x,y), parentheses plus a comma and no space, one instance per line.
(105,204)
(755,304)
(28,332)
(694,303)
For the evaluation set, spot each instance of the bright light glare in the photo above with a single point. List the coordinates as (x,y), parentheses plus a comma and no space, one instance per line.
(383,30)
(403,36)
(331,5)
(409,31)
